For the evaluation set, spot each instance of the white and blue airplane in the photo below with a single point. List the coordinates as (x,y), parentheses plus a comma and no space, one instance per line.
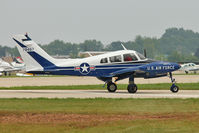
(189,67)
(6,67)
(107,67)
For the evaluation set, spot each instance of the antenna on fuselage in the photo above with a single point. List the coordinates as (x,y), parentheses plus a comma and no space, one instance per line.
(89,54)
(123,47)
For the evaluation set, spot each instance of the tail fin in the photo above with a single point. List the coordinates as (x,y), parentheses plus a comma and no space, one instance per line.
(19,60)
(35,58)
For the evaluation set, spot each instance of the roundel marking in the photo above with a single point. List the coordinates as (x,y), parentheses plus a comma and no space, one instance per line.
(85,68)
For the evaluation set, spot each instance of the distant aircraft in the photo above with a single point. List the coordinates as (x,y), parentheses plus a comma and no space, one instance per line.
(189,67)
(110,66)
(19,60)
(19,66)
(6,67)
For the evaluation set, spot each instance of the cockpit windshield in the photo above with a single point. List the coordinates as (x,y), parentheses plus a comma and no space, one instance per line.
(141,56)
(130,57)
(191,64)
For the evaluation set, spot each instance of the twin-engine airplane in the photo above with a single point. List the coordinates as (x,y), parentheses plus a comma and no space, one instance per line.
(116,65)
(6,67)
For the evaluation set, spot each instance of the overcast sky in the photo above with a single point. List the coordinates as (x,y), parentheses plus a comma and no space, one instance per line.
(103,20)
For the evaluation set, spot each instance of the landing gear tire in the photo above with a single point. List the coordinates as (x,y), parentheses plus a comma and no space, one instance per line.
(132,88)
(111,87)
(174,88)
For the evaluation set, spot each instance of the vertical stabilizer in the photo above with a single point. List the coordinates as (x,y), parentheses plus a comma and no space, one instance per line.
(35,58)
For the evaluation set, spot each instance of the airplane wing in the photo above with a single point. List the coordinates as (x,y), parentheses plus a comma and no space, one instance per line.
(125,71)
(148,70)
(13,69)
(1,69)
(194,69)
(9,69)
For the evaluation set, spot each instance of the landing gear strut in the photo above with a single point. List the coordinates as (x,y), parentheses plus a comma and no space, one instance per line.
(174,88)
(132,87)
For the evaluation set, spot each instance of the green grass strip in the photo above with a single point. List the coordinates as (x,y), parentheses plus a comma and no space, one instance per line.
(162,86)
(99,105)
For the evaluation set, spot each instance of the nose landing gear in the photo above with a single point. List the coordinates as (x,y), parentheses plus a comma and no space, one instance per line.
(174,88)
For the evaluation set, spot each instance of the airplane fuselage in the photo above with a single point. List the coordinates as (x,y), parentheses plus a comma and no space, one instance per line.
(93,66)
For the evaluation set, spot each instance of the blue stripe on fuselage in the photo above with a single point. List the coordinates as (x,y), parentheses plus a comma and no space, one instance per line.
(97,72)
(101,67)
(100,71)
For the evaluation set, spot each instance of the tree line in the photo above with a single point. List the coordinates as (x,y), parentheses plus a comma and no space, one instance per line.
(176,44)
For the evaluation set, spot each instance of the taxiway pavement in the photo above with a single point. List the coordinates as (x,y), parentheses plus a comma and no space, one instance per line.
(97,94)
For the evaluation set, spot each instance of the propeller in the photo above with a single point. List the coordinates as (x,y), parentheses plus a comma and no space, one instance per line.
(145,53)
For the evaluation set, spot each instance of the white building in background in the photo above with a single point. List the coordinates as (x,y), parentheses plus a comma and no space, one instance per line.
(91,53)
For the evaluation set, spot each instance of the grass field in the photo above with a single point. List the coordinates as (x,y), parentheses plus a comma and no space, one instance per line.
(161,86)
(99,115)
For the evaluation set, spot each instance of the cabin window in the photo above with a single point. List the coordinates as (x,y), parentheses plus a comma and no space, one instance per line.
(104,60)
(130,57)
(192,64)
(141,56)
(117,58)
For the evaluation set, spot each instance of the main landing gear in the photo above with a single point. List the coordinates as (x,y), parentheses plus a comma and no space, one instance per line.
(111,87)
(174,88)
(132,87)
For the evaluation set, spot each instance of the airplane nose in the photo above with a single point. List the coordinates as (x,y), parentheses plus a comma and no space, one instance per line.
(176,66)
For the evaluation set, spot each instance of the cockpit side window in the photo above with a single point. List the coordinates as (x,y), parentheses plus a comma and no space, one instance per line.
(104,60)
(141,56)
(117,58)
(130,57)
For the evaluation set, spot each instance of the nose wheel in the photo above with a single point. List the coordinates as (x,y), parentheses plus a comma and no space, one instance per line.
(174,88)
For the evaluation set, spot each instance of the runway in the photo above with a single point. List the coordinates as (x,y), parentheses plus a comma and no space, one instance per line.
(97,94)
